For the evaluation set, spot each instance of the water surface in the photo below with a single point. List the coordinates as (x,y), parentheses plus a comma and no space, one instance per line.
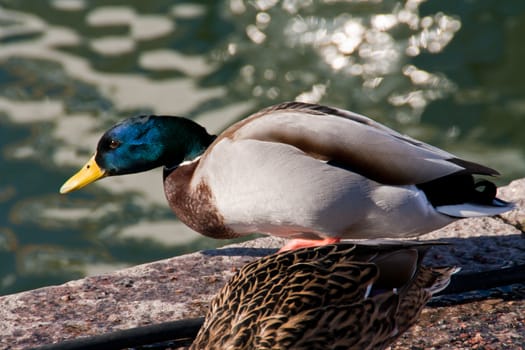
(449,73)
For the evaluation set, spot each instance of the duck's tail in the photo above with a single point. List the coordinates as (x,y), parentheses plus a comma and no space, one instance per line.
(460,196)
(467,210)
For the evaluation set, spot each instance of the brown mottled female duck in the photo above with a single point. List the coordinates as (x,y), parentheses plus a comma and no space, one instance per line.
(342,296)
(307,172)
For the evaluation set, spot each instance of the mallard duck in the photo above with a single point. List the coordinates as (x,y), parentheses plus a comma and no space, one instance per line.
(311,173)
(341,296)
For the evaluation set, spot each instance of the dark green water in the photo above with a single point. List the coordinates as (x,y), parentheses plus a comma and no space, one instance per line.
(448,72)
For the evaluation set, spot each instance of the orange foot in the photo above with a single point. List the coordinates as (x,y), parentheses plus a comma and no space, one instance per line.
(304,243)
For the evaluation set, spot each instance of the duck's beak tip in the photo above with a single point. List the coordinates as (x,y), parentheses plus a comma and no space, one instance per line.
(89,173)
(66,188)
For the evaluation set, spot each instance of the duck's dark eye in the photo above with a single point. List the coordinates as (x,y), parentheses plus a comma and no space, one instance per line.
(114,144)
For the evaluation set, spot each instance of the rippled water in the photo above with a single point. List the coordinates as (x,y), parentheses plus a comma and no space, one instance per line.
(449,73)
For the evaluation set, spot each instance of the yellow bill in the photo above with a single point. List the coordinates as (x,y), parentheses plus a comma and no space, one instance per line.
(88,174)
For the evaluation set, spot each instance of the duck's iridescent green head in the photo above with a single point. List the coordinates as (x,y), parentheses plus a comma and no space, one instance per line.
(139,144)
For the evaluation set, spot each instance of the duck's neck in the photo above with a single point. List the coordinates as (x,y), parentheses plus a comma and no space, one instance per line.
(183,141)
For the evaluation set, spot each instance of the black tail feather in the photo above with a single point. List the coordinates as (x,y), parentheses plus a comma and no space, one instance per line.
(459,188)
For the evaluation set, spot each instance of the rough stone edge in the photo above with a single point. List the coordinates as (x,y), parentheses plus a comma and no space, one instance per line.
(181,287)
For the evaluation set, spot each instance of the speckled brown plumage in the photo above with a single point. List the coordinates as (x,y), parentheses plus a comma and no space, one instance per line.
(343,296)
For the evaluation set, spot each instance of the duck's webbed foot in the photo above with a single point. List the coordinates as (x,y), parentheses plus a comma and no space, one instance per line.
(304,243)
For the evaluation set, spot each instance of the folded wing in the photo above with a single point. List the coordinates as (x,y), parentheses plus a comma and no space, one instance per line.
(354,142)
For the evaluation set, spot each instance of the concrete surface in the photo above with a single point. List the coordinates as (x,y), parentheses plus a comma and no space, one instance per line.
(181,287)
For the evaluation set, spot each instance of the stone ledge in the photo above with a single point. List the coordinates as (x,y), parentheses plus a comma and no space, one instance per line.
(181,287)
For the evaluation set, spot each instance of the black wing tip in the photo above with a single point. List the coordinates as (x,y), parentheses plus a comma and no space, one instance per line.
(474,168)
